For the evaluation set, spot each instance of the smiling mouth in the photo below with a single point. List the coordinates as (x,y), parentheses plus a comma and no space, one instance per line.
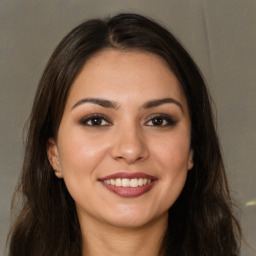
(129,184)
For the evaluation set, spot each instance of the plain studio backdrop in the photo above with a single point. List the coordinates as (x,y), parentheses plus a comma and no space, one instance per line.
(219,34)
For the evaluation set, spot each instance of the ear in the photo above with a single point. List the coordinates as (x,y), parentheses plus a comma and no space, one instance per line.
(190,159)
(53,156)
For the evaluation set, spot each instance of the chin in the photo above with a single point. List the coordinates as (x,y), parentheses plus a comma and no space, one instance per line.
(134,218)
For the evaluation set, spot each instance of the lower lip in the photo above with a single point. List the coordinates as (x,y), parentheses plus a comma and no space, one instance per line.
(130,192)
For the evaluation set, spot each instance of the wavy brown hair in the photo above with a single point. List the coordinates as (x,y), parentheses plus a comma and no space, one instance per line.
(201,222)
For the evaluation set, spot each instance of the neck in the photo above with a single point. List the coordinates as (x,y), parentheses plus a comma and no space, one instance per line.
(104,239)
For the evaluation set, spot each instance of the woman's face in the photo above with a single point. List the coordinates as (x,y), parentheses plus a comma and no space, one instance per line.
(123,145)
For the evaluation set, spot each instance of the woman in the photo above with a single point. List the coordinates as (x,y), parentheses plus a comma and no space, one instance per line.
(122,155)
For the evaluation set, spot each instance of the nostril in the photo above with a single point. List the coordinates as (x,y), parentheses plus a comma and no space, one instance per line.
(130,156)
(129,146)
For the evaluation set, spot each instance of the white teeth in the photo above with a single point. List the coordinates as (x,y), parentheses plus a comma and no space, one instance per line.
(118,182)
(134,183)
(126,183)
(140,182)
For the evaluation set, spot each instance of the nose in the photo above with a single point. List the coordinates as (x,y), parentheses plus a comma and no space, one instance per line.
(129,145)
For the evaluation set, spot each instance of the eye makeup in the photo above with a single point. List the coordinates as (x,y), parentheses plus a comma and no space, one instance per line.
(95,119)
(161,120)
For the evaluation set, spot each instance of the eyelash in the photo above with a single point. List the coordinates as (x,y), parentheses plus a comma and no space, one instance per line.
(165,120)
(95,117)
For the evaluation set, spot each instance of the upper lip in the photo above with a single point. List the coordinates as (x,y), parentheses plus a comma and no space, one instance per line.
(128,175)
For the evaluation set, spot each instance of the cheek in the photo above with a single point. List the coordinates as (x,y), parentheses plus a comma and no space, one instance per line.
(173,152)
(173,159)
(80,156)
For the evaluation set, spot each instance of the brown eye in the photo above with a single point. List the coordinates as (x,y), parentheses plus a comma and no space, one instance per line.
(161,121)
(157,121)
(95,120)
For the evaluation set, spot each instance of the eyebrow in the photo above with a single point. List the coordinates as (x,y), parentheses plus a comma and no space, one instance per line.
(158,102)
(111,104)
(97,101)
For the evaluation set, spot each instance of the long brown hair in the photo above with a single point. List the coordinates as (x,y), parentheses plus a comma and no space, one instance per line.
(201,222)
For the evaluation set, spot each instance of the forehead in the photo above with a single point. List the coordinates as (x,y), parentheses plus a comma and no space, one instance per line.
(126,75)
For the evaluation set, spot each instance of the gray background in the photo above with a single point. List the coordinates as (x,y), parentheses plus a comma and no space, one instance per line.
(220,35)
